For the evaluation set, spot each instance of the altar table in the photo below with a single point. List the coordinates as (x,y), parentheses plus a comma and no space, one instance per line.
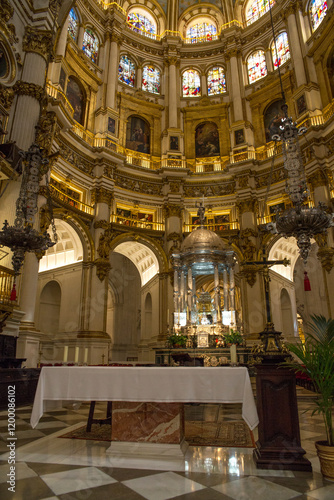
(147,384)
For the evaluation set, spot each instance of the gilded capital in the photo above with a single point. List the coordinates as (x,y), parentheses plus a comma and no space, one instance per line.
(250,205)
(6,10)
(171,61)
(115,37)
(171,210)
(30,89)
(102,268)
(318,179)
(249,273)
(38,41)
(326,256)
(101,195)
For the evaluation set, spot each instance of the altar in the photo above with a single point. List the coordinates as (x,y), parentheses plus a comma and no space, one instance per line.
(175,385)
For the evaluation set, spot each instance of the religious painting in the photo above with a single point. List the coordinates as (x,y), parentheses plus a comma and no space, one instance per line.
(123,216)
(207,140)
(142,24)
(145,220)
(4,66)
(75,96)
(90,45)
(222,222)
(256,66)
(138,135)
(62,78)
(191,83)
(195,221)
(174,143)
(111,125)
(73,25)
(318,11)
(301,105)
(239,136)
(272,119)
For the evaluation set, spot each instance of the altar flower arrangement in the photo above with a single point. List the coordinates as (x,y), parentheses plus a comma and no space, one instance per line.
(233,337)
(176,340)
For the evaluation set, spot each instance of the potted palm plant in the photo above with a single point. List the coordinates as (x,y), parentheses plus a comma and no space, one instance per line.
(316,356)
(177,340)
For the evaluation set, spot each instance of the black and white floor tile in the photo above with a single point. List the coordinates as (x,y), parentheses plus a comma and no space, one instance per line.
(49,468)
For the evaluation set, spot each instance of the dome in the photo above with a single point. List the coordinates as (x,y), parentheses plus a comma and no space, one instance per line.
(202,239)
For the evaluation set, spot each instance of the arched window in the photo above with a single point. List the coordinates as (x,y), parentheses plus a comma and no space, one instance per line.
(151,80)
(216,81)
(201,32)
(90,45)
(126,71)
(283,50)
(318,10)
(76,97)
(191,83)
(207,139)
(142,23)
(256,66)
(256,9)
(73,25)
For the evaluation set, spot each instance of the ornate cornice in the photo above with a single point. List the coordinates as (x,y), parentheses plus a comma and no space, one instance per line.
(207,190)
(7,95)
(138,184)
(38,41)
(101,195)
(31,90)
(54,6)
(74,158)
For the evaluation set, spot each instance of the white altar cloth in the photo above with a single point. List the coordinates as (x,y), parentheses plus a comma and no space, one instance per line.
(154,383)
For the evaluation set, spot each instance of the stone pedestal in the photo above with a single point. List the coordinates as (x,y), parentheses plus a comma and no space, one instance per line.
(279,444)
(148,429)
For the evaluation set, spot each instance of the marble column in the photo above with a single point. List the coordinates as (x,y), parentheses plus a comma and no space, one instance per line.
(139,77)
(80,36)
(235,87)
(225,278)
(172,94)
(115,41)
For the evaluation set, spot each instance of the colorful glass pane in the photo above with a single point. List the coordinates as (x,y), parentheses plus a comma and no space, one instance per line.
(126,71)
(256,66)
(191,83)
(202,32)
(216,81)
(318,11)
(73,25)
(151,80)
(283,51)
(141,24)
(257,9)
(90,45)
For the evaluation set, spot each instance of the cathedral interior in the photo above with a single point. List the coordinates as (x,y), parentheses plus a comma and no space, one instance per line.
(141,156)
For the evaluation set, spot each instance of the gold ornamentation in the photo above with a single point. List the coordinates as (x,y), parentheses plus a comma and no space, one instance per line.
(249,273)
(73,157)
(54,6)
(45,218)
(174,237)
(102,195)
(105,243)
(102,268)
(318,179)
(101,224)
(7,95)
(30,89)
(6,10)
(137,184)
(38,41)
(220,189)
(174,187)
(249,205)
(325,255)
(172,210)
(45,131)
(108,171)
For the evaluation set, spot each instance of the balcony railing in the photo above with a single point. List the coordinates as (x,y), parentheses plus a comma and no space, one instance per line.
(6,285)
(140,223)
(213,226)
(59,95)
(68,200)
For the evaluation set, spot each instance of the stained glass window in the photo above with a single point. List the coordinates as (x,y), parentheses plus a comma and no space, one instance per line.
(283,51)
(73,25)
(216,81)
(257,9)
(151,80)
(90,45)
(202,32)
(256,66)
(126,71)
(141,24)
(318,9)
(191,83)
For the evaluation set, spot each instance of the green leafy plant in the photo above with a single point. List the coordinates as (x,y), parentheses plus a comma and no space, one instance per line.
(317,361)
(233,337)
(176,339)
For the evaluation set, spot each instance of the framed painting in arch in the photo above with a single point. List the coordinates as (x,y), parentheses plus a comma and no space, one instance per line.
(207,140)
(174,143)
(239,137)
(301,105)
(111,125)
(138,135)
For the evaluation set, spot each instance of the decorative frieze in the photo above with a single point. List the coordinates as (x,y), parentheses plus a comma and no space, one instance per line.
(73,157)
(277,175)
(210,190)
(31,90)
(138,184)
(38,41)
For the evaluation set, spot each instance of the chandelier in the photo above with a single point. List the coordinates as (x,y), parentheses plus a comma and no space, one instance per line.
(22,237)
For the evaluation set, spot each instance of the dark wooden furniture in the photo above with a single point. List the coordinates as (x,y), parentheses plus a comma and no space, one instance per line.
(8,352)
(25,382)
(91,420)
(279,445)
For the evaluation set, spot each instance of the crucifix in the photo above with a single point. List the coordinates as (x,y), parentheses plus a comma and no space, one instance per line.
(270,337)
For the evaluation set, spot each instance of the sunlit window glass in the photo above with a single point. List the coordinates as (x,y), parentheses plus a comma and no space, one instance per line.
(216,81)
(90,45)
(318,9)
(151,79)
(141,24)
(256,66)
(126,71)
(202,32)
(191,83)
(257,9)
(283,51)
(73,25)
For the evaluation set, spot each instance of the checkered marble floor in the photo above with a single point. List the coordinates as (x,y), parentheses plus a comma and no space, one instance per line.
(51,468)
